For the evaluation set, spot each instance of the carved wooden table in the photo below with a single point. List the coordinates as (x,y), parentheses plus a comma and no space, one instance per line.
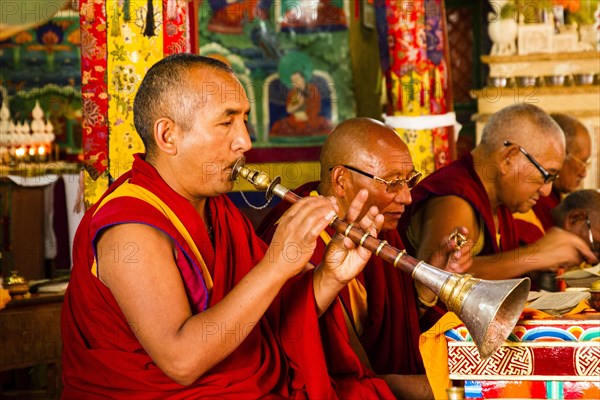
(542,359)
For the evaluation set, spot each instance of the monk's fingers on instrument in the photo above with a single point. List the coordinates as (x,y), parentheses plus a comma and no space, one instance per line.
(378,223)
(456,267)
(309,222)
(311,208)
(368,220)
(356,206)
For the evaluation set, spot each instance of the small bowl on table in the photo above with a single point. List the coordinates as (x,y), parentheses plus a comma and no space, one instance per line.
(584,79)
(498,81)
(527,81)
(555,80)
(16,284)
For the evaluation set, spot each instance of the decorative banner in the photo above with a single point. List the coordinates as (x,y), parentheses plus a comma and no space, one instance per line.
(133,46)
(417,81)
(94,124)
(419,144)
(176,33)
(121,40)
(441,152)
(93,87)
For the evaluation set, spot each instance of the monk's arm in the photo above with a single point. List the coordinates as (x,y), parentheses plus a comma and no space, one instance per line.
(439,217)
(149,290)
(557,249)
(442,214)
(409,386)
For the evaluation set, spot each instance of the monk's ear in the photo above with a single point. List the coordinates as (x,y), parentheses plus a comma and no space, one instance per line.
(339,180)
(573,218)
(507,158)
(165,135)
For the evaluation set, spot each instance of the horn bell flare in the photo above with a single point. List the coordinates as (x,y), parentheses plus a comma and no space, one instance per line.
(491,310)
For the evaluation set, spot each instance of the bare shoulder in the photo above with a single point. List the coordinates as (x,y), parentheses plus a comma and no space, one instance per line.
(442,214)
(133,232)
(131,249)
(441,205)
(446,204)
(131,235)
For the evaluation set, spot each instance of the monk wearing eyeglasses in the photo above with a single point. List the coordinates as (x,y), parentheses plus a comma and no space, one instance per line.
(533,224)
(520,155)
(377,317)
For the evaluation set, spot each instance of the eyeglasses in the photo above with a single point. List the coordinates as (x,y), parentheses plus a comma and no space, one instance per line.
(548,177)
(584,164)
(395,184)
(593,244)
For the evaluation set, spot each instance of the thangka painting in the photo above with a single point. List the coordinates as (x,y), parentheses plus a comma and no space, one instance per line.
(293,59)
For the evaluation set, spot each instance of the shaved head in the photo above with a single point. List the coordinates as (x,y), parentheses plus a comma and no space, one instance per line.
(358,141)
(571,128)
(579,151)
(524,124)
(587,200)
(164,92)
(365,154)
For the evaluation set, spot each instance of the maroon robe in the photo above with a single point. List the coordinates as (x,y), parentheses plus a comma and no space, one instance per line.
(102,357)
(391,332)
(543,207)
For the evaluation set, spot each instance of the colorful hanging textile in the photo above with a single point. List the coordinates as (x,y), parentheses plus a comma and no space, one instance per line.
(94,93)
(94,123)
(414,62)
(121,40)
(176,33)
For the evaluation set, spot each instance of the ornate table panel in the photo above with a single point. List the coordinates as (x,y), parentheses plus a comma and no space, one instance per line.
(547,359)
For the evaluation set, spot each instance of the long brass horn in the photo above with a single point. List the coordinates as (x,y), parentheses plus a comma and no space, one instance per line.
(489,309)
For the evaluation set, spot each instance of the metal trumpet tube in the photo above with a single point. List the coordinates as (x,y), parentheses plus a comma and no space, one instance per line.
(489,309)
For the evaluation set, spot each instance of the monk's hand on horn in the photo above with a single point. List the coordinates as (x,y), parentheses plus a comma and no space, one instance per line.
(343,259)
(453,253)
(296,235)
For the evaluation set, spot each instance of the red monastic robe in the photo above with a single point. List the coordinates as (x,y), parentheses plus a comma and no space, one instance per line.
(390,330)
(102,358)
(544,205)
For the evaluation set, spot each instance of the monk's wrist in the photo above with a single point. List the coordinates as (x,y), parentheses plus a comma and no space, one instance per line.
(327,280)
(326,288)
